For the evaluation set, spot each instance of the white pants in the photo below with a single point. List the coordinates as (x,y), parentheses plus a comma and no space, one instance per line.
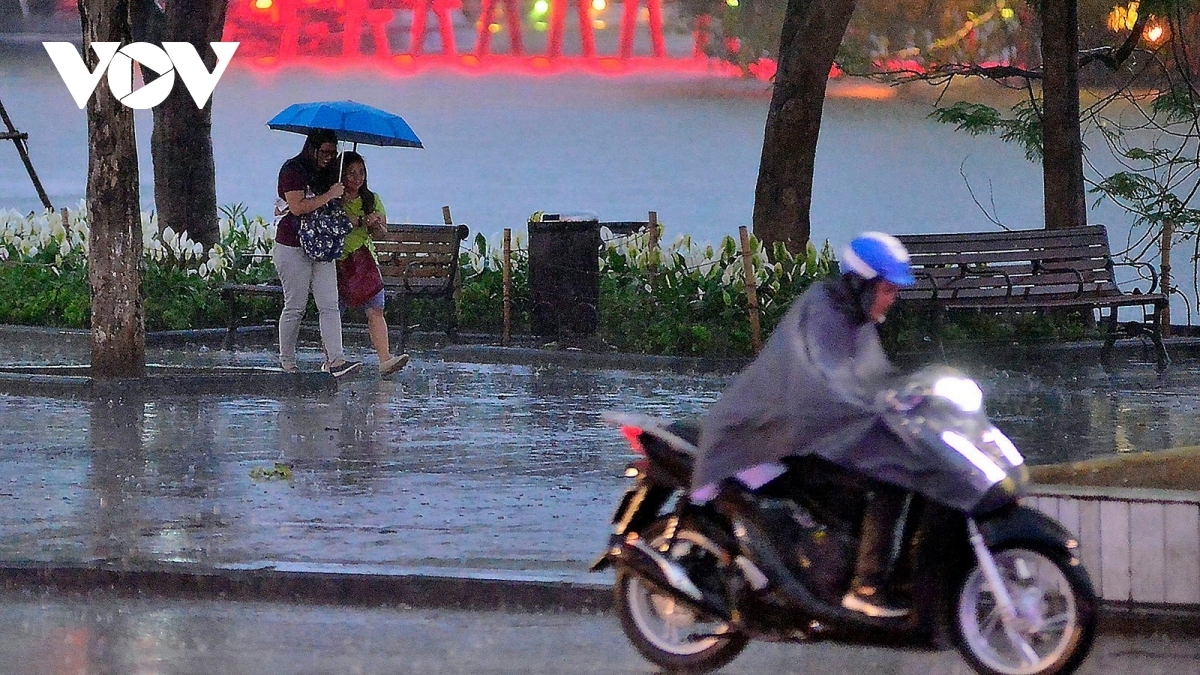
(300,275)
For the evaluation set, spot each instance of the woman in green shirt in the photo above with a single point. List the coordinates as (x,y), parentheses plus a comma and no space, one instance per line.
(366,212)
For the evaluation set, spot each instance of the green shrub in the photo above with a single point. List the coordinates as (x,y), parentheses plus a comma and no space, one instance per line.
(680,299)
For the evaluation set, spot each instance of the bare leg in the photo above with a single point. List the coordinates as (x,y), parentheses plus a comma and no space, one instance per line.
(378,330)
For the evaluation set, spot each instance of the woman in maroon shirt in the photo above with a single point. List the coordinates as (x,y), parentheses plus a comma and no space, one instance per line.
(307,182)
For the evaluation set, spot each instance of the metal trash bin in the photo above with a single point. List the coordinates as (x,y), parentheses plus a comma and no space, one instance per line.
(564,275)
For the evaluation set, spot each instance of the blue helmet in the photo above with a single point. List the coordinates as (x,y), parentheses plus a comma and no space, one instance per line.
(875,254)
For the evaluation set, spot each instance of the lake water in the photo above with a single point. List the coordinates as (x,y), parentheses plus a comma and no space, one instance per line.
(501,146)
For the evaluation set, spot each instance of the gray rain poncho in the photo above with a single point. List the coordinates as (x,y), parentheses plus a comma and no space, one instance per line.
(812,390)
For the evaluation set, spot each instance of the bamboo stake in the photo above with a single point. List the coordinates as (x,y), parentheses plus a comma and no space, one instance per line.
(751,291)
(652,228)
(506,337)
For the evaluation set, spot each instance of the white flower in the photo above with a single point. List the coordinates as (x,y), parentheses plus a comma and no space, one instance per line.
(732,272)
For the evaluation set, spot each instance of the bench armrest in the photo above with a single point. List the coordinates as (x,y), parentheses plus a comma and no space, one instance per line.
(1077,273)
(921,273)
(984,271)
(1153,273)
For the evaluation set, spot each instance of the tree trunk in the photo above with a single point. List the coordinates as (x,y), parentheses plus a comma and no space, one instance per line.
(114,213)
(812,33)
(185,182)
(1062,144)
(12,16)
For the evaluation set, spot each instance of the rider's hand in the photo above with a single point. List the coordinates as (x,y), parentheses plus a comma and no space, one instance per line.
(334,192)
(889,399)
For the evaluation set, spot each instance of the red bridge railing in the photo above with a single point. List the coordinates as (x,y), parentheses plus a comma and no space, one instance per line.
(286,29)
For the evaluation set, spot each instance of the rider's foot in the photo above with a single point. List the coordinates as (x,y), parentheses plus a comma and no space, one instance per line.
(871,602)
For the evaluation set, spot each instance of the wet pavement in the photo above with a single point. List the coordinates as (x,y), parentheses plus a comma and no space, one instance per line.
(447,467)
(453,467)
(98,633)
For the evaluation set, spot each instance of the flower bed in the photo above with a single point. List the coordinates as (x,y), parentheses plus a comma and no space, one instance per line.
(683,298)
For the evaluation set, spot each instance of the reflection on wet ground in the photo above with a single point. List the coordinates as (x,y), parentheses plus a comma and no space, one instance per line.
(448,465)
(1059,412)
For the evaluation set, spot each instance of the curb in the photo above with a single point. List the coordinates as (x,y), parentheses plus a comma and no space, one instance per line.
(350,589)
(578,358)
(430,592)
(77,382)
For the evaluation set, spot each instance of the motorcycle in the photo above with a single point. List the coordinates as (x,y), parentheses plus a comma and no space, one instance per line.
(1000,581)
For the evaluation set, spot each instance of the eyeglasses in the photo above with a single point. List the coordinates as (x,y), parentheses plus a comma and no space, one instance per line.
(326,152)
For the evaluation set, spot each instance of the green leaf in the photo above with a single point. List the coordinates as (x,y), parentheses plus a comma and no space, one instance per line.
(973,118)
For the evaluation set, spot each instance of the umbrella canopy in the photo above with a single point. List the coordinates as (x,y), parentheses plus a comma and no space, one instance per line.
(352,121)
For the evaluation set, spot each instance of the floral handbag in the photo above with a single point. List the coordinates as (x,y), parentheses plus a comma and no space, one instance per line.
(323,232)
(358,277)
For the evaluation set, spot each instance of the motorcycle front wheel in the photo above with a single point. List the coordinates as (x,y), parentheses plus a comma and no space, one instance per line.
(1056,615)
(669,633)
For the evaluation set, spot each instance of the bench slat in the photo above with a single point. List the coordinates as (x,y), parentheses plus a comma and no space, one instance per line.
(416,244)
(1024,238)
(1052,301)
(416,282)
(416,232)
(1090,258)
(417,286)
(253,289)
(392,260)
(962,246)
(415,270)
(1018,280)
(1092,234)
(410,248)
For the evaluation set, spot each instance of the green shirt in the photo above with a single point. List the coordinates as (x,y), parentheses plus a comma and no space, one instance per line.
(359,236)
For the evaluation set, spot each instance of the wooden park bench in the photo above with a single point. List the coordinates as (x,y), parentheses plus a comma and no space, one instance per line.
(416,261)
(1032,270)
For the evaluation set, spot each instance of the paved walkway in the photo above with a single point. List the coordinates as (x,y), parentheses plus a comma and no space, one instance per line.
(500,470)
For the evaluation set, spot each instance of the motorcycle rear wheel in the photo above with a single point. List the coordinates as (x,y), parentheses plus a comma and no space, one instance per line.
(1056,609)
(668,633)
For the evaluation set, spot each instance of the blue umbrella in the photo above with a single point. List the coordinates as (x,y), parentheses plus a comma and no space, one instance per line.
(352,121)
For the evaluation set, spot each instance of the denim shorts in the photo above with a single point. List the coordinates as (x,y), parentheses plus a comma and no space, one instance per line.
(376,302)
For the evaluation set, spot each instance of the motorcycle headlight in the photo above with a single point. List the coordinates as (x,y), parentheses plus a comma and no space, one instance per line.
(974,455)
(961,391)
(1006,447)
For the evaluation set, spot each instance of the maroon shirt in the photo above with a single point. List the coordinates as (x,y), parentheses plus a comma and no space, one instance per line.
(293,176)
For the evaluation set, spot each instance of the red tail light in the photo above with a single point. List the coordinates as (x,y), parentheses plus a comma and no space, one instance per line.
(634,436)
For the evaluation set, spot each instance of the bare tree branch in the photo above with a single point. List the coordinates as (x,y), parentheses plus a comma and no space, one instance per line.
(1113,58)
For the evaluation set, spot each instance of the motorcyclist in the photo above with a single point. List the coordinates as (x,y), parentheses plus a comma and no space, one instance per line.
(817,388)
